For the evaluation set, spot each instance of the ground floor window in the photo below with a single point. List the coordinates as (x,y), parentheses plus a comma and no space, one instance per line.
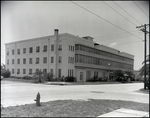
(88,74)
(24,71)
(59,73)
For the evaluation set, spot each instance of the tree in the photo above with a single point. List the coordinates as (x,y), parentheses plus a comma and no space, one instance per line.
(39,75)
(48,76)
(142,69)
(118,74)
(5,72)
(130,74)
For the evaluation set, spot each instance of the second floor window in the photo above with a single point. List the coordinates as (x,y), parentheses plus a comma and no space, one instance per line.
(30,60)
(44,59)
(52,59)
(38,49)
(37,60)
(45,48)
(7,52)
(18,51)
(30,50)
(24,61)
(59,59)
(13,61)
(52,47)
(24,50)
(18,61)
(13,52)
(7,61)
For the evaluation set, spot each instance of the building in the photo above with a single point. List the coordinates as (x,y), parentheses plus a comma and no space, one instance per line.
(65,55)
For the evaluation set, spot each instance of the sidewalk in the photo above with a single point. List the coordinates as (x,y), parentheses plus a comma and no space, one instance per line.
(125,113)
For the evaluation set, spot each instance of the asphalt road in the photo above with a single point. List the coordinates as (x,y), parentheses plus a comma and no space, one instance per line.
(17,93)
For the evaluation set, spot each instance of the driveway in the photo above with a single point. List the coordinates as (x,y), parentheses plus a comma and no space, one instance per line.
(17,93)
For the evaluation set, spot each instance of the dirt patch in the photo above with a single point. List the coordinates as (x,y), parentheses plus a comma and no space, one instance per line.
(71,108)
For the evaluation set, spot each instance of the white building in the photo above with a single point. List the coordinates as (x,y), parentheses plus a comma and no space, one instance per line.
(65,55)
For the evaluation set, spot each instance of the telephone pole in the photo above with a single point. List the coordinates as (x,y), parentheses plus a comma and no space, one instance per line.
(144,30)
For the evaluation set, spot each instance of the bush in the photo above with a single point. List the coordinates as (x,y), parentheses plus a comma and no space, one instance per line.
(27,77)
(70,79)
(5,73)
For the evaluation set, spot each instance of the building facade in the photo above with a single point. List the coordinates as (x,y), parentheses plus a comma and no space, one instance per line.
(65,55)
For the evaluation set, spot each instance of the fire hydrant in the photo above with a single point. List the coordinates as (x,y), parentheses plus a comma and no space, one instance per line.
(38,99)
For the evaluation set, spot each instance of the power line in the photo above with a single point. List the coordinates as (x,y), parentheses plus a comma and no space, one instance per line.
(127,12)
(119,13)
(116,38)
(140,9)
(116,34)
(104,19)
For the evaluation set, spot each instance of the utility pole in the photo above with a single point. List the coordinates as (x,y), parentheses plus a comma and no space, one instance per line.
(144,30)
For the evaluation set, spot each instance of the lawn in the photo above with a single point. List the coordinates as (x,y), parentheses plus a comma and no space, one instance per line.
(71,108)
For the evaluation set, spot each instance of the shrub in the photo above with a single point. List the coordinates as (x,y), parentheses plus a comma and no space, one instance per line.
(27,77)
(70,79)
(5,73)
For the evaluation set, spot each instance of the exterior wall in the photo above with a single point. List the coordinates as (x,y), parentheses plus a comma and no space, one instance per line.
(68,65)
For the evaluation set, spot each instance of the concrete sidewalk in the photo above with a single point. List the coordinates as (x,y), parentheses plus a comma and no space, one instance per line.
(125,113)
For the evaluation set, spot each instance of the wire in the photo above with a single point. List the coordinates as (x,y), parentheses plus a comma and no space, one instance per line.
(119,13)
(104,39)
(116,34)
(140,9)
(129,42)
(127,12)
(104,19)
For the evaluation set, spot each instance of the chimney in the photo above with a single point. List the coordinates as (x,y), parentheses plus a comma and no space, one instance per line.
(56,33)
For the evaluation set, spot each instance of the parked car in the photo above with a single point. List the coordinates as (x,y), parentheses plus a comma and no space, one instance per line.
(2,77)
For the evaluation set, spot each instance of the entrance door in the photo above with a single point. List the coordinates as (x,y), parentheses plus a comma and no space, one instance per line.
(81,76)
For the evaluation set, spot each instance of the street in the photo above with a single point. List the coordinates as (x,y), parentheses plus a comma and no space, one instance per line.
(18,93)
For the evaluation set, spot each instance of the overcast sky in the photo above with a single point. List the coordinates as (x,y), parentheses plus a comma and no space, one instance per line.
(112,23)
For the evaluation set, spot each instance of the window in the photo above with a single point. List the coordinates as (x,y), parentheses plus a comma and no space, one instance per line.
(7,61)
(30,71)
(45,48)
(52,59)
(37,70)
(24,71)
(72,48)
(7,52)
(18,61)
(18,71)
(88,74)
(72,73)
(52,71)
(37,60)
(30,50)
(18,51)
(69,48)
(13,71)
(13,61)
(38,49)
(30,60)
(59,72)
(44,59)
(45,70)
(13,52)
(60,47)
(24,50)
(59,59)
(24,61)
(52,47)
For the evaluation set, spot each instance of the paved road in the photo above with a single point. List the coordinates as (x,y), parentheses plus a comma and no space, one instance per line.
(17,93)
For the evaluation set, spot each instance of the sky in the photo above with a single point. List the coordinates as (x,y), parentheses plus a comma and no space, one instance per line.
(111,23)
